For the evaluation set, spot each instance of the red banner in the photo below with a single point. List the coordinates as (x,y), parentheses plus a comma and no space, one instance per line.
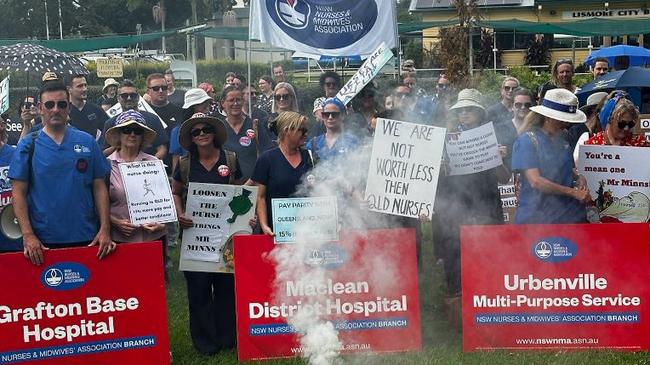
(368,292)
(556,287)
(76,309)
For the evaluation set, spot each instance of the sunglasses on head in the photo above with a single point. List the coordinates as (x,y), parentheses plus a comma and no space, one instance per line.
(158,88)
(61,104)
(523,105)
(282,96)
(135,130)
(327,115)
(563,61)
(127,96)
(626,123)
(205,130)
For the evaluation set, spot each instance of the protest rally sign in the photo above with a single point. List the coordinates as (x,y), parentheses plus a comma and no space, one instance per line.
(556,287)
(148,194)
(5,186)
(509,203)
(4,95)
(404,168)
(365,74)
(340,28)
(78,310)
(368,293)
(218,212)
(142,105)
(474,150)
(109,67)
(305,218)
(619,182)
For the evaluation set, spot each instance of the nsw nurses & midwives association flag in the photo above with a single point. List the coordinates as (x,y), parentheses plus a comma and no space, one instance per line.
(324,27)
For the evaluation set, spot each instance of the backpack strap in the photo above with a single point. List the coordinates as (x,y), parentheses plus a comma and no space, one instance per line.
(184,167)
(231,161)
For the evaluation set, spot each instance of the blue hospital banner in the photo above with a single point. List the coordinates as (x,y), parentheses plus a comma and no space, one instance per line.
(324,27)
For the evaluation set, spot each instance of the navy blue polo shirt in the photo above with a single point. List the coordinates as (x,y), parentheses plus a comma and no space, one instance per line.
(90,119)
(244,144)
(60,198)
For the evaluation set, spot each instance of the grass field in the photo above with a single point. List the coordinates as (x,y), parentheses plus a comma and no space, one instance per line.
(441,345)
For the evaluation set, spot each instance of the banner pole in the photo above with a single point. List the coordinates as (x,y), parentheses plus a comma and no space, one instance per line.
(397,40)
(248,62)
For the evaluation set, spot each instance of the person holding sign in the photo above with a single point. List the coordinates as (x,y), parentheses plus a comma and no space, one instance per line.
(211,296)
(617,117)
(543,157)
(468,199)
(129,134)
(278,171)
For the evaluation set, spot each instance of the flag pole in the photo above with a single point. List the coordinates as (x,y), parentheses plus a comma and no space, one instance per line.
(397,41)
(248,60)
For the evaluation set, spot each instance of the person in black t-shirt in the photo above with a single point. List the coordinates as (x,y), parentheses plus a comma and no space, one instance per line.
(174,95)
(85,116)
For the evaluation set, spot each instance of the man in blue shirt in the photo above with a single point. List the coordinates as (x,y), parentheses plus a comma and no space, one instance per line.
(59,192)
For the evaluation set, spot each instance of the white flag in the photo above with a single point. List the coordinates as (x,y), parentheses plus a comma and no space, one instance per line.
(334,28)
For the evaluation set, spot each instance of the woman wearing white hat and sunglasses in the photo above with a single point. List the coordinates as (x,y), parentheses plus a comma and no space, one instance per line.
(544,158)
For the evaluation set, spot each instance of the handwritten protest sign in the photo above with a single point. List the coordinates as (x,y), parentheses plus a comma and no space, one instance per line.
(305,218)
(78,310)
(404,168)
(218,212)
(474,150)
(4,95)
(109,67)
(148,193)
(619,181)
(366,72)
(508,201)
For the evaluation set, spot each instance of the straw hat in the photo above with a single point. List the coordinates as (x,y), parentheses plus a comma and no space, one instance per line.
(185,138)
(110,82)
(469,98)
(127,118)
(195,96)
(560,104)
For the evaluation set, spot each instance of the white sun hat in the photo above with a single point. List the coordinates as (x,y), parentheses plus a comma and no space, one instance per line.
(560,104)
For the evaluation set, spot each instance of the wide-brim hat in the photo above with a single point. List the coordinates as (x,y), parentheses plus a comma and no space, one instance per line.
(184,137)
(195,96)
(560,104)
(593,100)
(110,82)
(127,118)
(468,98)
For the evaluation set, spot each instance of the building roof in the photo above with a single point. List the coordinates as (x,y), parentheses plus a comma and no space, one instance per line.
(433,5)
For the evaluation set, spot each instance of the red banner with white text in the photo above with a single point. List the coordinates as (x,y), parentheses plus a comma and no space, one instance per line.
(75,309)
(582,286)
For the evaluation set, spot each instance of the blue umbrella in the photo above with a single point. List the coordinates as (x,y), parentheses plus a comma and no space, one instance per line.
(631,80)
(638,56)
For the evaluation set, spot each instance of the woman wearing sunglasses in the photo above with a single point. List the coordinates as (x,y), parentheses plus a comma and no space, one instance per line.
(129,135)
(284,99)
(211,296)
(278,171)
(335,142)
(618,116)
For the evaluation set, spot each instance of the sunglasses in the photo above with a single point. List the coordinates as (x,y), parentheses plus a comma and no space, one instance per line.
(158,88)
(61,104)
(327,115)
(523,105)
(205,130)
(330,84)
(135,130)
(282,96)
(626,123)
(509,88)
(127,96)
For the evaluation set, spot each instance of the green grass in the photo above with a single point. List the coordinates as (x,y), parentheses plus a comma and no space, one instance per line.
(441,345)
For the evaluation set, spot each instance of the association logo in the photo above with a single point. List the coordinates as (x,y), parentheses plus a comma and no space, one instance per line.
(65,276)
(554,249)
(330,24)
(329,256)
(293,13)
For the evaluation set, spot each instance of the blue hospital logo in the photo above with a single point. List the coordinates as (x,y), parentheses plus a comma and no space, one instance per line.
(65,276)
(293,13)
(326,24)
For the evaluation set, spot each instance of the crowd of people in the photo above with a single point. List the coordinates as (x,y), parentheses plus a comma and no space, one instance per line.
(203,135)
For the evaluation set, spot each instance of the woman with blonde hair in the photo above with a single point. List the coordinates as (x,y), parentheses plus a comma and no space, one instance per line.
(284,98)
(279,171)
(544,160)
